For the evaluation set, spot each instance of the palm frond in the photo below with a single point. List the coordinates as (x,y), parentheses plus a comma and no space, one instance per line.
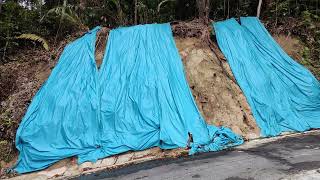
(34,37)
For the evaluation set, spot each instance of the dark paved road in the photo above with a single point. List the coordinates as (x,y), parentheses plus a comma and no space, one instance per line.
(295,157)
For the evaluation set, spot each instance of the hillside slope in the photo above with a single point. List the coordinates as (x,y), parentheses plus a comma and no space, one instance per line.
(218,97)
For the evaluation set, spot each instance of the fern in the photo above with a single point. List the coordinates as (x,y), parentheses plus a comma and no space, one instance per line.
(34,37)
(66,12)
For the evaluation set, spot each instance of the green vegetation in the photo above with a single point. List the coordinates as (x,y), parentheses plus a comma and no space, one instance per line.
(300,18)
(36,38)
(54,20)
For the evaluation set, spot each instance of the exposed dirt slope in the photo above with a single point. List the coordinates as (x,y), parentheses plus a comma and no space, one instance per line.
(219,99)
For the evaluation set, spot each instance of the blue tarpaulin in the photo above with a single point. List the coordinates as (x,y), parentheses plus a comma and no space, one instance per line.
(138,98)
(283,95)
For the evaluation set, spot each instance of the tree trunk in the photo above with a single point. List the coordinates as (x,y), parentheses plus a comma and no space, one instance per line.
(136,12)
(0,5)
(82,4)
(120,13)
(203,10)
(228,9)
(259,8)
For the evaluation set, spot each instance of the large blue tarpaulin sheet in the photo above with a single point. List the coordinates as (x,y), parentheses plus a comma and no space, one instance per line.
(283,95)
(138,98)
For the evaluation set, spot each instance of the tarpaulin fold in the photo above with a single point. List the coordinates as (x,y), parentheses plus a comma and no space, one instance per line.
(138,98)
(283,95)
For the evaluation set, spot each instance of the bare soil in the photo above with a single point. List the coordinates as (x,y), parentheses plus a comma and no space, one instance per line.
(219,99)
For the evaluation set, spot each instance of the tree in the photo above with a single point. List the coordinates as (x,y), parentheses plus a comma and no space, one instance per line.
(203,10)
(259,8)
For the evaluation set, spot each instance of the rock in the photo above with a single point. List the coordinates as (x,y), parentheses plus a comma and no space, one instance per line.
(124,158)
(85,166)
(54,172)
(32,176)
(72,171)
(140,154)
(252,136)
(109,161)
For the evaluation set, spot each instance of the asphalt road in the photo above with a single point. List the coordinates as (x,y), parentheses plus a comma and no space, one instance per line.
(287,158)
